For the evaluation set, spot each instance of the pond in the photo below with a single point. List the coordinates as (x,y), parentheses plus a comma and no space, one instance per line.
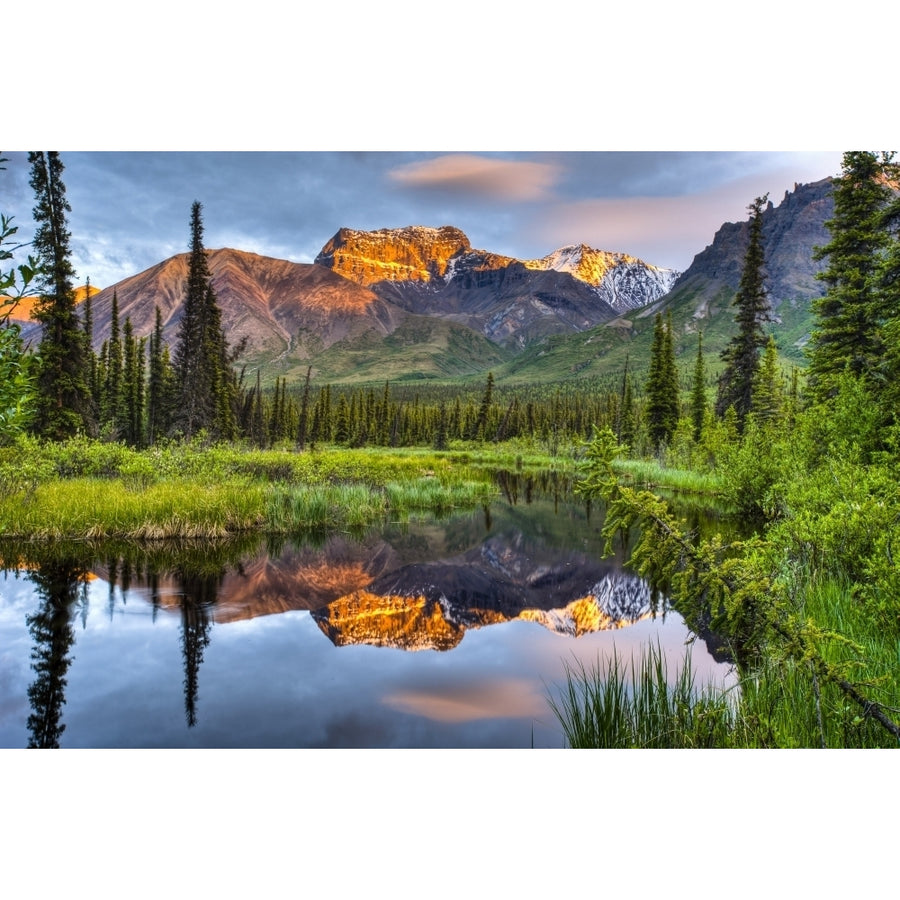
(448,633)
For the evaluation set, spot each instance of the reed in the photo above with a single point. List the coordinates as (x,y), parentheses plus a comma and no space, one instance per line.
(291,508)
(650,474)
(87,508)
(614,706)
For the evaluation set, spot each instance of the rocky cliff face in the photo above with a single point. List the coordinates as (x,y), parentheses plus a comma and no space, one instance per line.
(623,281)
(393,254)
(435,271)
(790,231)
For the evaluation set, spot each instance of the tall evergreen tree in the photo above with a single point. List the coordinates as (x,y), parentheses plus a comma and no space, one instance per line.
(889,285)
(111,410)
(159,384)
(131,423)
(767,392)
(698,392)
(206,385)
(850,316)
(303,425)
(64,402)
(484,410)
(661,410)
(87,321)
(741,356)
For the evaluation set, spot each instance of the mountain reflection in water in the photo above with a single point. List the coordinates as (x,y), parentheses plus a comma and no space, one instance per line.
(95,665)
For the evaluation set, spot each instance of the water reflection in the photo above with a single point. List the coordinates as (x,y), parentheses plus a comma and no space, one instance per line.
(60,590)
(533,560)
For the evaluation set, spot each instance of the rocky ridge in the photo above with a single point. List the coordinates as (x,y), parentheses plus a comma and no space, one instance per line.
(435,271)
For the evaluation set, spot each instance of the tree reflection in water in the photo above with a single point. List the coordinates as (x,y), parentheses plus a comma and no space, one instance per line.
(62,589)
(198,596)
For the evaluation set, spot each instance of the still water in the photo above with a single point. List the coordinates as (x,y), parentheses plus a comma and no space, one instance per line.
(430,634)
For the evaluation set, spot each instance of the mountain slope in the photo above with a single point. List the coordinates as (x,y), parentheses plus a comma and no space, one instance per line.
(701,299)
(277,306)
(435,271)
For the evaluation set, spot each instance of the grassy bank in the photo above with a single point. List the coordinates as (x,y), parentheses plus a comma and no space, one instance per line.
(651,475)
(87,490)
(778,703)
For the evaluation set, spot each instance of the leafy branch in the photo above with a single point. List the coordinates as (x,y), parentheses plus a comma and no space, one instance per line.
(742,585)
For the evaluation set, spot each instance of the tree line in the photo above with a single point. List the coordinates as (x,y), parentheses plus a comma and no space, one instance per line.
(139,391)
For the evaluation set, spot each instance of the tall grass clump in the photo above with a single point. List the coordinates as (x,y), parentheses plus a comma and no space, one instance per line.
(650,474)
(430,495)
(87,508)
(614,706)
(291,508)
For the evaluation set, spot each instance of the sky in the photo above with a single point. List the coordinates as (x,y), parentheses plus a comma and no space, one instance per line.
(131,209)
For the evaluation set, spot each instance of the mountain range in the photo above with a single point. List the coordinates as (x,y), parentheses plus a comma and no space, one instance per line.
(418,302)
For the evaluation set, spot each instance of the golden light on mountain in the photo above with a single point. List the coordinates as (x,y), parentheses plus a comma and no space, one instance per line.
(410,623)
(584,614)
(399,254)
(24,309)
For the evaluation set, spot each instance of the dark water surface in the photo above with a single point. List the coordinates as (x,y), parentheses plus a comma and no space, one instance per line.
(440,634)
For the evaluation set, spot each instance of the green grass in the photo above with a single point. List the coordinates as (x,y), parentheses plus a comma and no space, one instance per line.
(776,704)
(91,508)
(650,474)
(84,490)
(638,706)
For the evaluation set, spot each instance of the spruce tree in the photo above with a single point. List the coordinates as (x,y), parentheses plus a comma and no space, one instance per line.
(303,424)
(661,410)
(698,392)
(206,385)
(159,385)
(850,316)
(767,393)
(741,356)
(87,324)
(478,428)
(63,405)
(889,285)
(111,415)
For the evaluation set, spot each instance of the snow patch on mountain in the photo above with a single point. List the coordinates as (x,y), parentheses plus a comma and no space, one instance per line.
(624,282)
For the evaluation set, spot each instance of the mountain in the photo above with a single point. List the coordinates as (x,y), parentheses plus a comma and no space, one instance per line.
(394,304)
(791,231)
(436,272)
(701,298)
(421,303)
(279,307)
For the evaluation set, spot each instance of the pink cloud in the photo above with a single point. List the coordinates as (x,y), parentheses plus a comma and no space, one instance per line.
(469,173)
(664,231)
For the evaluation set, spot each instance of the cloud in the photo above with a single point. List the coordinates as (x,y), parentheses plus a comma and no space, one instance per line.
(661,230)
(467,173)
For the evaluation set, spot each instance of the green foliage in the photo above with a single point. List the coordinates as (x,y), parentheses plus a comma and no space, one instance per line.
(17,385)
(206,386)
(609,707)
(750,469)
(698,393)
(661,411)
(752,591)
(63,405)
(741,356)
(859,301)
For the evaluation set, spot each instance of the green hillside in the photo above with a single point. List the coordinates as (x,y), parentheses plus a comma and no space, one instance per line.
(603,350)
(422,348)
